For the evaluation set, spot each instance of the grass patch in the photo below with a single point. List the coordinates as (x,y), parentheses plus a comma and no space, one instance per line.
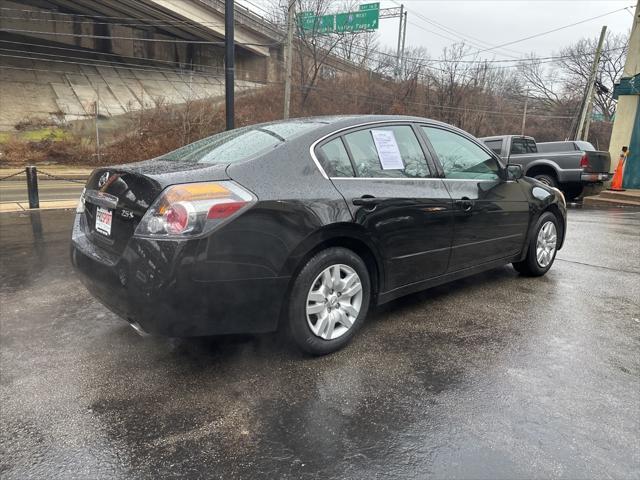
(47,133)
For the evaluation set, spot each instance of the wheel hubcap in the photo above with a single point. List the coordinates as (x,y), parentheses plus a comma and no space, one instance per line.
(546,244)
(334,301)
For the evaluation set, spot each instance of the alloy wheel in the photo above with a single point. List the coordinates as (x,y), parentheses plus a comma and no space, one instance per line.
(546,244)
(334,301)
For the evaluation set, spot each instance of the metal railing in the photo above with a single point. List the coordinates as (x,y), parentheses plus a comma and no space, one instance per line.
(31,173)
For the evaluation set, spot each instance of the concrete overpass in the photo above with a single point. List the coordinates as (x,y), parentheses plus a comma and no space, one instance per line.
(59,57)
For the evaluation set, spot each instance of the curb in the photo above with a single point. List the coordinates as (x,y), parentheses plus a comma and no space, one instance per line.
(13,207)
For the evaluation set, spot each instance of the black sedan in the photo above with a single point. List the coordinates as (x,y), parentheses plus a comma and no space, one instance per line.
(305,224)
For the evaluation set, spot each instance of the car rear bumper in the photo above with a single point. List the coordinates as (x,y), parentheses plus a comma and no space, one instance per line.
(594,177)
(145,287)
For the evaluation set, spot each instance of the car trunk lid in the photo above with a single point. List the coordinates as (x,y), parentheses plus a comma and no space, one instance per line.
(116,198)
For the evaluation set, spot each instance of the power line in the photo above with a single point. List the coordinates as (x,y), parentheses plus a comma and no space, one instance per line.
(424,63)
(460,36)
(111,37)
(327,89)
(126,24)
(257,6)
(547,32)
(188,23)
(90,52)
(115,65)
(112,63)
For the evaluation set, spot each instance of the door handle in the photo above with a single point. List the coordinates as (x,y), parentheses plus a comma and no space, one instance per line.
(366,201)
(465,204)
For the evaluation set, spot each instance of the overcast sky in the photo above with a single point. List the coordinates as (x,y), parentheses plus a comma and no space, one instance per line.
(499,22)
(496,22)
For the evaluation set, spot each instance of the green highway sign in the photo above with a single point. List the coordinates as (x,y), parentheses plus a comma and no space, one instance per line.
(323,24)
(357,21)
(366,18)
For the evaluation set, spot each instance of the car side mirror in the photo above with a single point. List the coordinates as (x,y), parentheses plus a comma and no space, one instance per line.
(514,172)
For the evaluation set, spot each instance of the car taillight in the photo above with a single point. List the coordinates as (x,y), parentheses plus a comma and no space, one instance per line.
(80,205)
(584,161)
(191,209)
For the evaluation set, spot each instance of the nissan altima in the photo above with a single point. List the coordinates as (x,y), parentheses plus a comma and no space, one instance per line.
(302,226)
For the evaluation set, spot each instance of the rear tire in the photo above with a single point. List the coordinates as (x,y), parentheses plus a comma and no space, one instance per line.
(329,301)
(547,179)
(542,248)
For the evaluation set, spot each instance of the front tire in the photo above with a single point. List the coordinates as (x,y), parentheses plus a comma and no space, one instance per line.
(542,248)
(329,301)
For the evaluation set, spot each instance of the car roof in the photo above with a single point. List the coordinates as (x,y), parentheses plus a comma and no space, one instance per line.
(501,137)
(332,123)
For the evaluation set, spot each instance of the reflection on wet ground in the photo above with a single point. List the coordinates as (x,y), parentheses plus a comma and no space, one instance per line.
(495,376)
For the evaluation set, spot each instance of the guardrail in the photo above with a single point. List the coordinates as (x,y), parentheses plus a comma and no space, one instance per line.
(31,173)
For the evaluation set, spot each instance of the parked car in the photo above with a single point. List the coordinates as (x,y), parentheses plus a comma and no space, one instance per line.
(554,164)
(305,224)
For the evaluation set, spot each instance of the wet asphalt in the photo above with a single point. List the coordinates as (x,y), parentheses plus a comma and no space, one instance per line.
(496,376)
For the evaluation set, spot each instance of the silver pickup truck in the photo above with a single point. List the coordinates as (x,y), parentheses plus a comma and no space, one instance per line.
(569,169)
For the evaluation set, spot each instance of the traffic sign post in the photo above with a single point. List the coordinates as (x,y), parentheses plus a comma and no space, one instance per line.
(365,19)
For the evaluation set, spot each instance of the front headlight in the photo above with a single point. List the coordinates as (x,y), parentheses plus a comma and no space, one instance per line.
(564,200)
(191,209)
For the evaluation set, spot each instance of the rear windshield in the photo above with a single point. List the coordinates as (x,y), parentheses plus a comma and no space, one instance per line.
(520,145)
(585,146)
(239,144)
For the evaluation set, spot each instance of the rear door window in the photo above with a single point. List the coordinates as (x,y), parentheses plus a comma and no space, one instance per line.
(334,159)
(391,151)
(531,146)
(523,145)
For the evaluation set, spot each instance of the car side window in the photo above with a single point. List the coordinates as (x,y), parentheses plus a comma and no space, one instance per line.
(523,145)
(334,159)
(460,157)
(494,145)
(388,151)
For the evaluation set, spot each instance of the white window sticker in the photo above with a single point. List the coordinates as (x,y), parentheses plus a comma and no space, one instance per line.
(103,220)
(388,150)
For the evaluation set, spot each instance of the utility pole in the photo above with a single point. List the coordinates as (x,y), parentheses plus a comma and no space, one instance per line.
(524,114)
(229,62)
(399,42)
(97,103)
(585,114)
(404,36)
(289,57)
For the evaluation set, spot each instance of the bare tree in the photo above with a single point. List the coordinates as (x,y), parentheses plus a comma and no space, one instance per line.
(543,82)
(358,48)
(576,61)
(317,47)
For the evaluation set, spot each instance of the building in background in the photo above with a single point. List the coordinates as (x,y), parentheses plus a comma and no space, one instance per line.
(626,126)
